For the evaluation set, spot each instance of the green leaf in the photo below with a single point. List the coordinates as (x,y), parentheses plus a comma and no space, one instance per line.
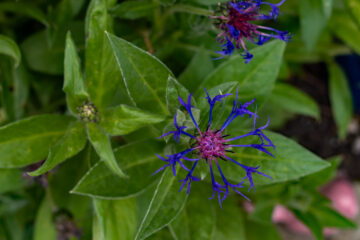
(263,211)
(29,140)
(200,65)
(138,159)
(74,85)
(11,179)
(123,119)
(293,100)
(10,48)
(117,218)
(327,7)
(103,78)
(311,222)
(163,234)
(340,98)
(328,217)
(62,181)
(101,142)
(291,162)
(10,204)
(69,145)
(134,9)
(25,9)
(197,220)
(144,75)
(313,21)
(322,177)
(209,2)
(255,79)
(346,29)
(256,230)
(354,8)
(192,10)
(15,89)
(44,226)
(43,57)
(230,221)
(166,203)
(174,89)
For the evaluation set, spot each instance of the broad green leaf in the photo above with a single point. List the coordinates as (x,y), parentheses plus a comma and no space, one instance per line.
(134,9)
(97,233)
(29,140)
(346,29)
(322,177)
(13,227)
(256,79)
(340,98)
(313,21)
(43,57)
(197,220)
(9,204)
(175,89)
(192,10)
(24,9)
(200,65)
(10,48)
(11,179)
(117,218)
(354,8)
(166,203)
(263,211)
(209,2)
(144,75)
(163,234)
(230,221)
(138,159)
(44,225)
(103,78)
(256,230)
(293,100)
(69,145)
(311,222)
(15,88)
(328,217)
(101,142)
(123,119)
(291,162)
(61,18)
(74,85)
(327,7)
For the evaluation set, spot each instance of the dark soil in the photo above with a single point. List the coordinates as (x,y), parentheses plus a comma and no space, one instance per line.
(321,137)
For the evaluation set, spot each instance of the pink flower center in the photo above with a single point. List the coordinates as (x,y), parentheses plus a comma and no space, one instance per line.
(241,22)
(210,145)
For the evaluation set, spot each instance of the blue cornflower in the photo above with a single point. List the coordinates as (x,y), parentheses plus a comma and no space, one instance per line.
(211,145)
(236,25)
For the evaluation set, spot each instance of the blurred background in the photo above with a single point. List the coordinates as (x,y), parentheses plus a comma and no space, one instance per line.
(316,99)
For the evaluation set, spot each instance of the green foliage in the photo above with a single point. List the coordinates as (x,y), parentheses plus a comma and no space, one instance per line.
(88,86)
(101,143)
(144,85)
(340,98)
(291,99)
(74,85)
(123,119)
(29,140)
(10,48)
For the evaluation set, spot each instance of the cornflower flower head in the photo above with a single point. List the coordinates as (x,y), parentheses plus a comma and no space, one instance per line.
(212,145)
(235,20)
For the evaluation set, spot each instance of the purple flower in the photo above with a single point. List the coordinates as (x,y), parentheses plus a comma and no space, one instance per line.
(212,145)
(236,25)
